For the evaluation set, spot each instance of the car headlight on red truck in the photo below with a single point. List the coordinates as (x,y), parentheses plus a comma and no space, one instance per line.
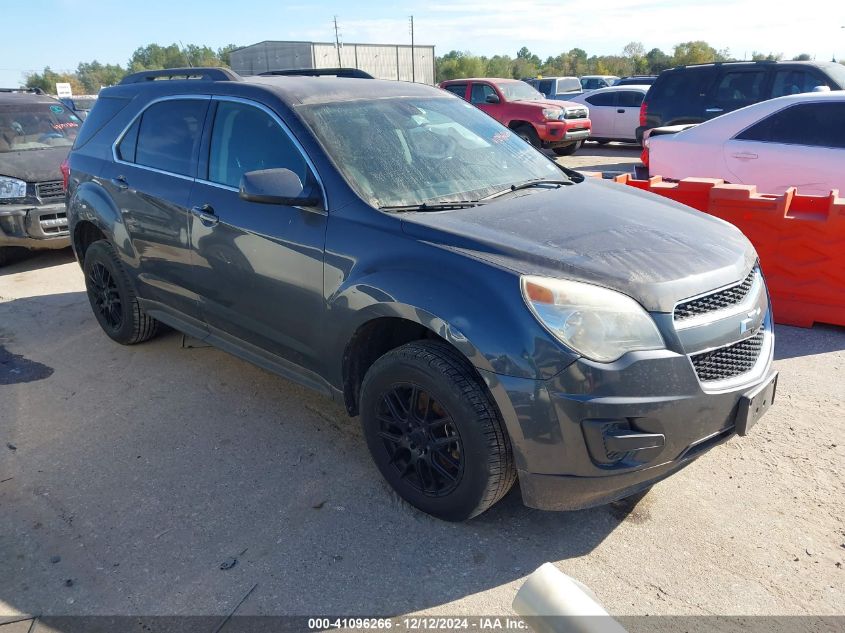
(553,114)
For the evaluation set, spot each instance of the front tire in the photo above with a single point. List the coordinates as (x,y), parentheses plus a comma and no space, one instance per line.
(569,150)
(112,297)
(434,432)
(529,135)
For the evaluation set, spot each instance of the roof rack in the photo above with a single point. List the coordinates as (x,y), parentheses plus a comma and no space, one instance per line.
(735,61)
(36,91)
(353,73)
(204,74)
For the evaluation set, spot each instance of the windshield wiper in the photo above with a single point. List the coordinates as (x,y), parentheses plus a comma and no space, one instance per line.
(434,206)
(528,184)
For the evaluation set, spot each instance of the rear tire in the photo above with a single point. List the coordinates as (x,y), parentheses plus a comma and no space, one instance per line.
(529,135)
(569,150)
(434,432)
(112,297)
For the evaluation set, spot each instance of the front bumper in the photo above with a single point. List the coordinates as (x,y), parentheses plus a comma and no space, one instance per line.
(566,132)
(34,226)
(559,428)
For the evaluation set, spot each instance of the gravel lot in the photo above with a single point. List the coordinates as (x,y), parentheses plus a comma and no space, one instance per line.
(129,474)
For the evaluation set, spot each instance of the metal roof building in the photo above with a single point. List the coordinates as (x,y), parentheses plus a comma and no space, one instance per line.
(382,61)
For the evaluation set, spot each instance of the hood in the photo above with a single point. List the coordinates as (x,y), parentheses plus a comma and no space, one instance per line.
(550,103)
(34,165)
(641,244)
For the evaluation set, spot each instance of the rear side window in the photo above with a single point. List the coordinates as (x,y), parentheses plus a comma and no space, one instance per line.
(545,87)
(105,109)
(812,124)
(127,145)
(169,135)
(245,138)
(602,99)
(681,86)
(630,99)
(793,82)
(741,87)
(458,89)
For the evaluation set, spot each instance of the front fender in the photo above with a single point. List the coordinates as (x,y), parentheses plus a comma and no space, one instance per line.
(485,319)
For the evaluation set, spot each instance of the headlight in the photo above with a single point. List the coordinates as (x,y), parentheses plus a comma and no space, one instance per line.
(12,188)
(598,323)
(552,114)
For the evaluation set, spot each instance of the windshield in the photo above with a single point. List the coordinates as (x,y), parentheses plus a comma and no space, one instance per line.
(409,151)
(519,91)
(36,126)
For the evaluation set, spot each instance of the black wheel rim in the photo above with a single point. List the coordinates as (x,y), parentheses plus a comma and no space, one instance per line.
(421,440)
(106,296)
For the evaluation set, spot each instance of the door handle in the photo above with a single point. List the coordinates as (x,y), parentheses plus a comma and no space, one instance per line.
(119,182)
(205,214)
(744,155)
(621,111)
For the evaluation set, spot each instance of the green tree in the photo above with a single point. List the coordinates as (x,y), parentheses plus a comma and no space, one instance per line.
(499,66)
(803,57)
(459,64)
(697,52)
(225,54)
(94,75)
(48,79)
(577,58)
(657,61)
(761,57)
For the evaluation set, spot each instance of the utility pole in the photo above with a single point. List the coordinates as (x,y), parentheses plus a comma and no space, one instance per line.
(413,61)
(337,42)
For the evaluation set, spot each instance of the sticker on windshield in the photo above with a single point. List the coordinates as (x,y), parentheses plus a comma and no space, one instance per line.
(73,117)
(57,109)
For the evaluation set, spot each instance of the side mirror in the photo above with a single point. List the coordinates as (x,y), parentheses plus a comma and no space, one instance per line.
(492,99)
(279,186)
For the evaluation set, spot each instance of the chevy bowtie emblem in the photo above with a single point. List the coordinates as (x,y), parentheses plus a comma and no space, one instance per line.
(746,323)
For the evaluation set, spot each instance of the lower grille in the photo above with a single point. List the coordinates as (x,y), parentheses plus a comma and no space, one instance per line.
(730,361)
(50,190)
(53,223)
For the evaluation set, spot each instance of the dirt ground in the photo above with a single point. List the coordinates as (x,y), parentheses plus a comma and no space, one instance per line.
(128,475)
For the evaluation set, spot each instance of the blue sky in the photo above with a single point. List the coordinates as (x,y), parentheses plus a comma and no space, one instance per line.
(65,32)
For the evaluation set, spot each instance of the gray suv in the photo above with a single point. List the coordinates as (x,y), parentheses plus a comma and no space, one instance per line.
(488,314)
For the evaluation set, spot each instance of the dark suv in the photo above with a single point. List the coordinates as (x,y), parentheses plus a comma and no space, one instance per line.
(692,94)
(36,132)
(486,312)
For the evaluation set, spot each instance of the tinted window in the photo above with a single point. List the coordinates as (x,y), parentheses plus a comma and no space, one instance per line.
(545,87)
(793,82)
(244,139)
(105,109)
(680,86)
(169,135)
(630,99)
(126,147)
(741,87)
(602,99)
(815,124)
(480,92)
(458,89)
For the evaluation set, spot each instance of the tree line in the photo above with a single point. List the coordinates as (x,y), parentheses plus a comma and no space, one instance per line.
(89,77)
(633,60)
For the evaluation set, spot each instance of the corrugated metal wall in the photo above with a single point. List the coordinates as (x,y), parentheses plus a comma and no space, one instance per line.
(382,61)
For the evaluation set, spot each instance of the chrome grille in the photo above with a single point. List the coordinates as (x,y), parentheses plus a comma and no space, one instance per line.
(729,361)
(50,190)
(717,300)
(575,113)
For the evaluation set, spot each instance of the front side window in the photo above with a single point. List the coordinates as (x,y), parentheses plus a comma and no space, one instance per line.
(480,92)
(519,91)
(245,138)
(33,126)
(811,124)
(407,151)
(793,82)
(169,135)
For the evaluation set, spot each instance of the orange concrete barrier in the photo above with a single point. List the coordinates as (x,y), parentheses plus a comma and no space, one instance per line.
(800,240)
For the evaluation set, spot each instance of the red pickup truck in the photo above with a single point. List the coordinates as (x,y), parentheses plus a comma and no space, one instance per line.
(561,126)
